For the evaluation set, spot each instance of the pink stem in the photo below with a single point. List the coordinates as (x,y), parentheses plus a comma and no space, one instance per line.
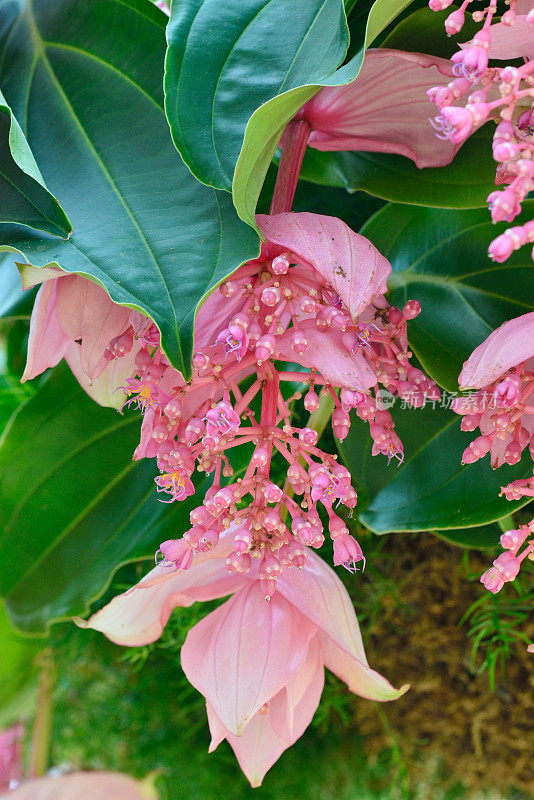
(296,137)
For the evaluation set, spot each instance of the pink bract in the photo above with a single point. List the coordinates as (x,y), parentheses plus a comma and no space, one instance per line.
(384,110)
(259,664)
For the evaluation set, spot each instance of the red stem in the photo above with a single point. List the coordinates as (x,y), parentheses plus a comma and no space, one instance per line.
(296,137)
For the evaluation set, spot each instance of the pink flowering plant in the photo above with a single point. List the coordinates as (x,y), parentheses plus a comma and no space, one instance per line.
(219,372)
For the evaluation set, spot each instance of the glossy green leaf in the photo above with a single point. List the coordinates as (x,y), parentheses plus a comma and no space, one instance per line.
(440,258)
(24,196)
(430,490)
(266,125)
(85,79)
(225,60)
(73,504)
(465,183)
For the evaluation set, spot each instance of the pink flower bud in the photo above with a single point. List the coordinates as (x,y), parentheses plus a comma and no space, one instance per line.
(504,205)
(510,75)
(299,342)
(271,296)
(265,347)
(455,22)
(242,540)
(177,551)
(200,361)
(272,520)
(261,457)
(340,423)
(173,409)
(307,304)
(439,5)
(228,288)
(508,565)
(272,493)
(209,540)
(501,248)
(351,399)
(492,580)
(513,539)
(412,309)
(198,515)
(160,432)
(308,436)
(194,430)
(238,562)
(512,454)
(280,265)
(311,401)
(508,391)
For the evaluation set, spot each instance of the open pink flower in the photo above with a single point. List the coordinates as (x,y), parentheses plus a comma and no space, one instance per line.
(501,369)
(260,665)
(84,786)
(75,319)
(385,110)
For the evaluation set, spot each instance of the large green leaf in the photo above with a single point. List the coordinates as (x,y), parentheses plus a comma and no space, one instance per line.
(430,490)
(73,504)
(440,258)
(85,80)
(465,183)
(225,60)
(266,59)
(266,125)
(24,196)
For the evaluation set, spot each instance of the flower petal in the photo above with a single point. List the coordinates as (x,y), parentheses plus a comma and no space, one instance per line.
(85,786)
(385,110)
(506,347)
(347,261)
(139,615)
(244,652)
(359,677)
(85,311)
(47,341)
(326,353)
(260,746)
(106,389)
(319,594)
(301,694)
(509,42)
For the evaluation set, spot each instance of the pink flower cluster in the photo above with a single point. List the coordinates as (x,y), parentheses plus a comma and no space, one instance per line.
(301,302)
(502,93)
(309,311)
(506,566)
(502,370)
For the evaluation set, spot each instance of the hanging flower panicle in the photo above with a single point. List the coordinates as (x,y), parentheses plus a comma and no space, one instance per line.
(275,309)
(505,94)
